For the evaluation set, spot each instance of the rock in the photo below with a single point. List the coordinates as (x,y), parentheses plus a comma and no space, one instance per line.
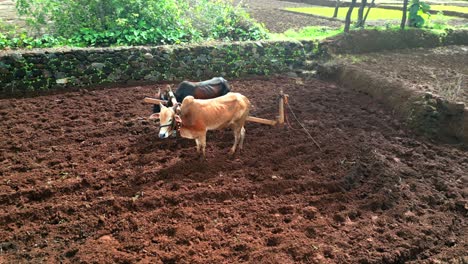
(98,65)
(457,107)
(62,81)
(17,57)
(310,212)
(5,246)
(148,56)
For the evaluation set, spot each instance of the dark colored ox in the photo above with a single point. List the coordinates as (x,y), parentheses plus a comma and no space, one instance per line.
(215,87)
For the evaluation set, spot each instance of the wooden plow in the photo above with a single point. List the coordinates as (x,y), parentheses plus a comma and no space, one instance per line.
(283,99)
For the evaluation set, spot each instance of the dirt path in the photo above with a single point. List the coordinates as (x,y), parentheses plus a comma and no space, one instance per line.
(8,13)
(83,180)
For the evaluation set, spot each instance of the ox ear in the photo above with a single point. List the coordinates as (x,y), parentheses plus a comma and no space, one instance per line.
(178,119)
(154,116)
(177,109)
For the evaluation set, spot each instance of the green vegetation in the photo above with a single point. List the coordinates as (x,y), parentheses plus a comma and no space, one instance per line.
(307,33)
(375,13)
(439,22)
(130,22)
(417,12)
(460,9)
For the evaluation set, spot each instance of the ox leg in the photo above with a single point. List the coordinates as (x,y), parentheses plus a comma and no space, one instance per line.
(242,136)
(198,145)
(237,132)
(202,142)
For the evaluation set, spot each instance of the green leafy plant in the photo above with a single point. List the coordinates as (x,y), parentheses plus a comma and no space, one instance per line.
(220,19)
(137,22)
(107,22)
(21,40)
(439,22)
(417,11)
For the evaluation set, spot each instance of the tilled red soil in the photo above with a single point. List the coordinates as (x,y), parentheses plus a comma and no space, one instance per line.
(442,70)
(84,180)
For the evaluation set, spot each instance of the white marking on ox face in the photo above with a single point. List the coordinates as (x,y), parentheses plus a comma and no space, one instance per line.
(166,116)
(165,131)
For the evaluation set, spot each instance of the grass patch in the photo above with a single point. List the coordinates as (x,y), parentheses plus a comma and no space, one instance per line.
(307,33)
(374,14)
(460,9)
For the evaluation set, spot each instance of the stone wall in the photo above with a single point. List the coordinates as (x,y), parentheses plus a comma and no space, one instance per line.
(47,69)
(22,72)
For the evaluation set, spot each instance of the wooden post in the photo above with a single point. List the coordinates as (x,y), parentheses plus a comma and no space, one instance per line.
(281,109)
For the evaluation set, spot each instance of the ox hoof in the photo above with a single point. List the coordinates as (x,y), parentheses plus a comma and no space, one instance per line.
(232,155)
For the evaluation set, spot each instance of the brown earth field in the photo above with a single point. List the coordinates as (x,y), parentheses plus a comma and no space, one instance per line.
(84,178)
(442,70)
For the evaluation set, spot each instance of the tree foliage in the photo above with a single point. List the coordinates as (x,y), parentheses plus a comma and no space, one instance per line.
(417,11)
(139,22)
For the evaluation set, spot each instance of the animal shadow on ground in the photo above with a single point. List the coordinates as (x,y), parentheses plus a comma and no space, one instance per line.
(175,157)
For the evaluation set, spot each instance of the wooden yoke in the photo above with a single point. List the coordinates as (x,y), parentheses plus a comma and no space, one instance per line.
(154,101)
(261,120)
(172,98)
(174,101)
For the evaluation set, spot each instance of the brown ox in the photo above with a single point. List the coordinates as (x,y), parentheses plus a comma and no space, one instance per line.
(198,116)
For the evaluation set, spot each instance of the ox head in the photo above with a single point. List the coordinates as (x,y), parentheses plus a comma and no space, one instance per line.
(168,120)
(164,93)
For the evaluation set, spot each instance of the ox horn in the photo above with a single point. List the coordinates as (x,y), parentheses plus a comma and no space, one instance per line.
(177,109)
(158,95)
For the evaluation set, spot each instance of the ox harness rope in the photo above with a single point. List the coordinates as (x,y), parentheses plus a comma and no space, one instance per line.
(174,124)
